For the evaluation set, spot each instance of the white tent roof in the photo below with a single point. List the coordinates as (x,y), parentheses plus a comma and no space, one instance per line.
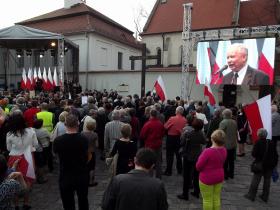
(23,32)
(19,32)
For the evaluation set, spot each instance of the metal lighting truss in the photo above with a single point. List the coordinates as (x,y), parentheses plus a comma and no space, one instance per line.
(191,38)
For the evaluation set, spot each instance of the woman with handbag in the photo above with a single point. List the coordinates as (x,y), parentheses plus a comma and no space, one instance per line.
(193,140)
(266,159)
(126,150)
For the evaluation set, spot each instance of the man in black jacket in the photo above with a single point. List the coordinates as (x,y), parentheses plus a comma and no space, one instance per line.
(241,72)
(264,151)
(136,190)
(72,150)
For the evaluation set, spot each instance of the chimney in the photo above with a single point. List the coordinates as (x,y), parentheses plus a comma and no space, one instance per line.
(70,3)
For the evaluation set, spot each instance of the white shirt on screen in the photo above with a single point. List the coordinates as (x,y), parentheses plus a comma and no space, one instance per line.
(241,74)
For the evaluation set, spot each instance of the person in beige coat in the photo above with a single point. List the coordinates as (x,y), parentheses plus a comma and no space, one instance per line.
(229,126)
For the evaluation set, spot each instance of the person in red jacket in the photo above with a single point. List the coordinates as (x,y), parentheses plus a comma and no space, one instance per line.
(152,134)
(30,114)
(174,127)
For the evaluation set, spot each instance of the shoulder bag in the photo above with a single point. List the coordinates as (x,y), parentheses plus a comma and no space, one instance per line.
(257,166)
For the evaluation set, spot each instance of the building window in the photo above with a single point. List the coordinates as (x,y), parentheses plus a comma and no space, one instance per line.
(159,55)
(120,60)
(180,54)
(132,64)
(166,44)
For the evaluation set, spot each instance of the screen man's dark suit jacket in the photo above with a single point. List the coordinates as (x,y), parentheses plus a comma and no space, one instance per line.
(252,77)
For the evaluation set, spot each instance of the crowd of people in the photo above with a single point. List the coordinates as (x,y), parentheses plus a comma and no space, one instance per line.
(129,134)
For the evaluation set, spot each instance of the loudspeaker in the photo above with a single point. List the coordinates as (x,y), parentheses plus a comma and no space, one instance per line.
(229,95)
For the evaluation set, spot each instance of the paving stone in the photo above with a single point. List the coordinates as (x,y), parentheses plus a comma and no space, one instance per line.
(46,196)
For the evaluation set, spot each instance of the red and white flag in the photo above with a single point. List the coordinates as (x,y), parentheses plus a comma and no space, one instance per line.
(50,80)
(55,79)
(30,172)
(203,63)
(208,92)
(29,80)
(220,62)
(45,79)
(39,74)
(35,76)
(23,80)
(160,88)
(266,60)
(259,116)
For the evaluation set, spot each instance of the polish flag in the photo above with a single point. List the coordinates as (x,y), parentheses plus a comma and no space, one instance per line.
(29,80)
(25,164)
(220,61)
(50,80)
(30,172)
(259,116)
(266,59)
(39,74)
(23,80)
(45,79)
(208,92)
(203,63)
(160,88)
(35,76)
(55,79)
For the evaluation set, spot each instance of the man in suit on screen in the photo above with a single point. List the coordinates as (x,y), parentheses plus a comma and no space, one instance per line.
(241,73)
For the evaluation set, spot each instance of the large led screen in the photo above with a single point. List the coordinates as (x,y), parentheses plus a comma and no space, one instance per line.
(236,62)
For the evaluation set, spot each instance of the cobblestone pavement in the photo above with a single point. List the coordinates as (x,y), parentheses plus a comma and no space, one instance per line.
(46,196)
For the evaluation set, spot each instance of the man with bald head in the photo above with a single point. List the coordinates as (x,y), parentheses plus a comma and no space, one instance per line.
(241,73)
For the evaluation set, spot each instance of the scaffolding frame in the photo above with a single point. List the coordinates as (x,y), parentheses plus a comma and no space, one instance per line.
(191,38)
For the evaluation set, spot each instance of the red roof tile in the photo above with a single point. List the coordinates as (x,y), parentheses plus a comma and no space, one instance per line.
(206,14)
(82,18)
(210,14)
(258,13)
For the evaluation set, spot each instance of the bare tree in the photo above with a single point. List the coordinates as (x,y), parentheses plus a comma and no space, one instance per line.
(140,17)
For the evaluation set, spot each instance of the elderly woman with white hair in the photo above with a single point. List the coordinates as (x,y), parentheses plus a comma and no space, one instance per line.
(266,156)
(59,128)
(229,126)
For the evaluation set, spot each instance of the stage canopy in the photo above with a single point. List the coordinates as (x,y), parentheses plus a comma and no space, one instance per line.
(20,37)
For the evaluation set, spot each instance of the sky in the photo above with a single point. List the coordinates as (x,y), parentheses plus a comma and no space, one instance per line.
(122,11)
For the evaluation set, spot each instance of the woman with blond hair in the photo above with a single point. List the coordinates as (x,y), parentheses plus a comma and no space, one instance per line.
(210,165)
